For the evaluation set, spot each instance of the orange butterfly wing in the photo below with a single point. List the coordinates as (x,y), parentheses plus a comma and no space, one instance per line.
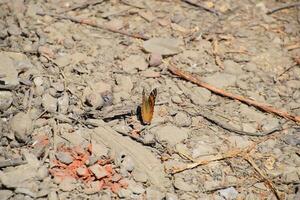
(148,106)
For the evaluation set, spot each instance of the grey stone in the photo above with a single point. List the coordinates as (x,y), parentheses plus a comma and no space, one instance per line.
(124,193)
(200,96)
(251,113)
(221,80)
(171,196)
(294,84)
(5,194)
(249,127)
(63,61)
(134,62)
(14,30)
(155,60)
(270,123)
(49,103)
(26,191)
(53,195)
(68,184)
(180,184)
(176,99)
(232,67)
(182,119)
(229,193)
(63,103)
(211,185)
(239,141)
(124,83)
(18,177)
(81,171)
(94,100)
(6,99)
(98,171)
(171,134)
(139,176)
(127,164)
(42,172)
(21,130)
(93,188)
(203,149)
(38,81)
(290,177)
(8,70)
(136,188)
(154,194)
(64,157)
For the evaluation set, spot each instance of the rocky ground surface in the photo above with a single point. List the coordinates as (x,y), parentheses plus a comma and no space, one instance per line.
(72,75)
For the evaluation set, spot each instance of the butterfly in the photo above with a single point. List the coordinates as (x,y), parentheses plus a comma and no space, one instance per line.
(147,107)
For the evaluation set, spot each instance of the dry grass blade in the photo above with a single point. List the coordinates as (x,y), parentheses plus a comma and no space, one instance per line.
(286,6)
(94,24)
(201,6)
(265,107)
(248,158)
(231,154)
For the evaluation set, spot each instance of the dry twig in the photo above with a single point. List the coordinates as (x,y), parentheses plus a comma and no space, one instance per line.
(248,158)
(82,5)
(234,153)
(94,24)
(283,7)
(230,128)
(262,106)
(201,6)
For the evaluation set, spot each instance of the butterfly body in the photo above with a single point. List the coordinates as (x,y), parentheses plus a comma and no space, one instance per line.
(147,107)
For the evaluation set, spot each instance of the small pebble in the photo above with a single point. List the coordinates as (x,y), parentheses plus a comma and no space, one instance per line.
(229,193)
(42,172)
(68,184)
(95,100)
(176,99)
(6,99)
(137,189)
(58,86)
(14,30)
(5,194)
(171,196)
(94,188)
(81,171)
(152,193)
(128,164)
(38,81)
(98,171)
(124,193)
(181,119)
(21,130)
(139,176)
(64,157)
(155,60)
(180,184)
(69,43)
(49,103)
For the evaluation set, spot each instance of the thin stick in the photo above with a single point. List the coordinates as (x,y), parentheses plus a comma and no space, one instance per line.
(201,6)
(230,128)
(248,158)
(82,5)
(262,106)
(238,152)
(94,24)
(283,7)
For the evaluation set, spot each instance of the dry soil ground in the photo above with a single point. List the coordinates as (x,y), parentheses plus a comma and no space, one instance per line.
(72,75)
